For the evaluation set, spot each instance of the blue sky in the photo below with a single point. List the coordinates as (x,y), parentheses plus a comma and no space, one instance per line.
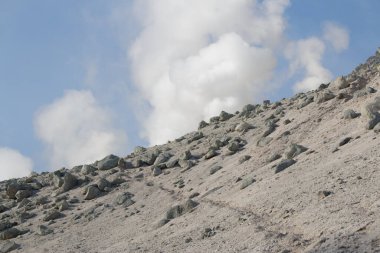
(49,47)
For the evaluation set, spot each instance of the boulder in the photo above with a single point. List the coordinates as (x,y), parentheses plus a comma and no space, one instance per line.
(102,183)
(22,194)
(162,158)
(108,162)
(156,171)
(92,192)
(178,210)
(125,199)
(371,110)
(10,233)
(185,155)
(88,169)
(69,182)
(211,153)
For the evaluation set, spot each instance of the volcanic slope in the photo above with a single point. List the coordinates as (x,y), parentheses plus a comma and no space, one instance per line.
(298,175)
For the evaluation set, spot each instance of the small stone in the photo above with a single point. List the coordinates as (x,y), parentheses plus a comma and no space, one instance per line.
(233,146)
(244,158)
(323,194)
(23,194)
(125,199)
(350,114)
(188,240)
(156,171)
(287,121)
(202,124)
(284,164)
(225,116)
(243,127)
(294,150)
(185,155)
(63,206)
(345,141)
(88,169)
(273,157)
(208,232)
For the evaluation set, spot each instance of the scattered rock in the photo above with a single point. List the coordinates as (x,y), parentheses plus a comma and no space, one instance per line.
(156,171)
(202,124)
(244,158)
(294,150)
(273,157)
(287,121)
(215,169)
(185,155)
(284,164)
(23,194)
(344,141)
(52,214)
(350,114)
(63,206)
(323,96)
(43,230)
(371,110)
(263,141)
(11,233)
(247,182)
(233,146)
(172,162)
(69,182)
(92,192)
(88,169)
(225,116)
(8,246)
(208,232)
(102,183)
(108,162)
(323,194)
(243,127)
(125,199)
(178,210)
(339,83)
(211,153)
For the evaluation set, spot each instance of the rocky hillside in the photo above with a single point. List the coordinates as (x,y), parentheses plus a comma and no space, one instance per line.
(298,175)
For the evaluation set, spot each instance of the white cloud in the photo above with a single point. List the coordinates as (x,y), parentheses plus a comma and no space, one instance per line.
(194,58)
(336,35)
(307,55)
(76,130)
(13,164)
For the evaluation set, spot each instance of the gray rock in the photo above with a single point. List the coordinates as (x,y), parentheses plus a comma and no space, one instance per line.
(210,154)
(139,150)
(247,182)
(92,192)
(270,129)
(233,146)
(108,162)
(124,198)
(208,232)
(102,183)
(172,162)
(263,141)
(43,230)
(178,210)
(185,164)
(12,189)
(284,164)
(294,150)
(244,158)
(195,136)
(323,96)
(10,233)
(185,155)
(243,127)
(156,171)
(63,206)
(88,169)
(52,214)
(8,246)
(214,119)
(215,169)
(371,110)
(57,179)
(23,194)
(69,182)
(162,158)
(202,124)
(5,224)
(149,158)
(273,157)
(224,116)
(350,114)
